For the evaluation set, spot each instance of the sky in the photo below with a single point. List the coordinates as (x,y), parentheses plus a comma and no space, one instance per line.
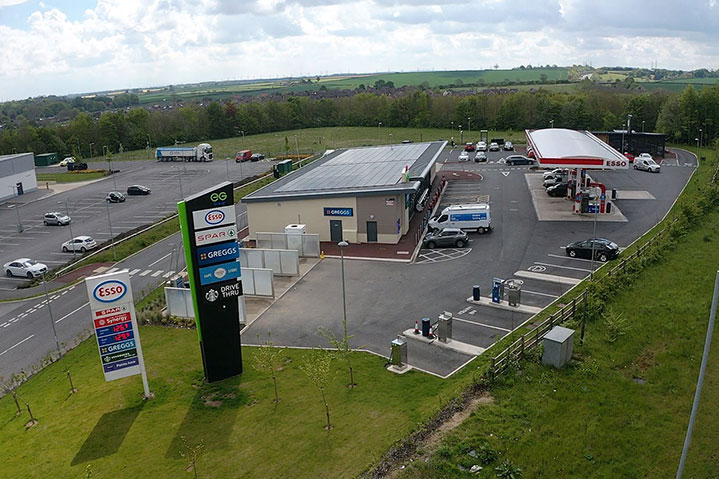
(59,47)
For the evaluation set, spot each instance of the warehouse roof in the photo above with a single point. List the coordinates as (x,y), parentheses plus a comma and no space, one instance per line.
(356,172)
(573,149)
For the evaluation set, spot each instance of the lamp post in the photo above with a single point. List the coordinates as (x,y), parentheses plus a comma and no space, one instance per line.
(91,150)
(112,236)
(67,212)
(551,123)
(17,209)
(243,138)
(594,237)
(390,141)
(451,124)
(78,149)
(642,126)
(695,139)
(179,177)
(469,124)
(629,131)
(461,136)
(342,244)
(52,321)
(701,138)
(297,150)
(379,125)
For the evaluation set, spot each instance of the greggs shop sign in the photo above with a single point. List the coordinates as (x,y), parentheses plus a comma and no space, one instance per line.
(338,212)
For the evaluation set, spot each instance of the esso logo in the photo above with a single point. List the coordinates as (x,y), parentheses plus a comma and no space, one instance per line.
(109,291)
(214,217)
(621,163)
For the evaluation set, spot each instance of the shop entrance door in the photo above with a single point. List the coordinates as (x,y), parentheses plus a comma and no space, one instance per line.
(335,231)
(371,231)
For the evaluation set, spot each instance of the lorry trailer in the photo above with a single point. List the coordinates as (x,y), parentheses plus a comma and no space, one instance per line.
(201,152)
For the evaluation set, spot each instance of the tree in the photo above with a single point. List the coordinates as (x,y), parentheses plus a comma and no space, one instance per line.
(193,453)
(317,367)
(342,347)
(267,358)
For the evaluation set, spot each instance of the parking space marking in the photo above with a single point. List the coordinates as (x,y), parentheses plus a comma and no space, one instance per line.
(564,267)
(548,277)
(482,324)
(437,255)
(568,257)
(539,294)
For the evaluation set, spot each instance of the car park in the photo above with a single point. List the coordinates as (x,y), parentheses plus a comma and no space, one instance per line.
(558,190)
(138,190)
(464,156)
(480,156)
(56,219)
(449,237)
(494,146)
(518,160)
(604,249)
(646,164)
(115,197)
(25,267)
(79,243)
(469,146)
(481,146)
(508,146)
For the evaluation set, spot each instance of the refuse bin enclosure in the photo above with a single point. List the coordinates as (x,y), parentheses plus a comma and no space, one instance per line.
(444,326)
(514,291)
(558,346)
(398,353)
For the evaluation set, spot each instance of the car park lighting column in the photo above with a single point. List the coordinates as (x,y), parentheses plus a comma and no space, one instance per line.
(112,236)
(67,212)
(342,245)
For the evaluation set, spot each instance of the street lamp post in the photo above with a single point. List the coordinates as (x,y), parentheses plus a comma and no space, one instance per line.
(52,320)
(20,228)
(695,139)
(629,132)
(243,138)
(379,125)
(594,237)
(112,236)
(701,138)
(461,136)
(342,244)
(91,151)
(297,150)
(179,177)
(469,124)
(642,126)
(390,141)
(67,212)
(551,123)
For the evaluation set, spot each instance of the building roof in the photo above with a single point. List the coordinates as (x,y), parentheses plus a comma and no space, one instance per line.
(356,172)
(559,147)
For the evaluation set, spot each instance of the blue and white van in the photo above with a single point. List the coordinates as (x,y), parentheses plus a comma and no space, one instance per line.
(476,217)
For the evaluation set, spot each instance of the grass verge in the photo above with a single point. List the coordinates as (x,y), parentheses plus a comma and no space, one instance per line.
(70,176)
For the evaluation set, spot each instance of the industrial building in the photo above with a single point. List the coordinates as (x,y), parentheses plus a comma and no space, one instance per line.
(634,142)
(360,195)
(17,175)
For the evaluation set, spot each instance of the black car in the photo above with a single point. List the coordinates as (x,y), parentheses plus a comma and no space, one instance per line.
(257,157)
(115,197)
(518,160)
(604,249)
(451,237)
(559,190)
(138,190)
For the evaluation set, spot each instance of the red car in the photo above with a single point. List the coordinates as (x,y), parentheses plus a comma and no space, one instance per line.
(629,156)
(469,147)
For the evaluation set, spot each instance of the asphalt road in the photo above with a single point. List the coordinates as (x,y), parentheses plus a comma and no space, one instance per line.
(89,211)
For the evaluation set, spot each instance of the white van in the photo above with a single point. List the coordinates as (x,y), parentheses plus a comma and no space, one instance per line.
(467,217)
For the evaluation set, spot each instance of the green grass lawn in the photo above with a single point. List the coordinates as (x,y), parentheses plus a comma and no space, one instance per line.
(69,177)
(108,427)
(620,408)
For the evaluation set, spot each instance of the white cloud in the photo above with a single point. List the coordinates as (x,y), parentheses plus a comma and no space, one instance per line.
(131,43)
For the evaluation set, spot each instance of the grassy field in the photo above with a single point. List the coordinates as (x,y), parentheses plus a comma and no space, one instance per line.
(621,407)
(316,140)
(108,428)
(69,176)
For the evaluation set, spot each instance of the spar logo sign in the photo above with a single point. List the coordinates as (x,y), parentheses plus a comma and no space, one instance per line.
(109,291)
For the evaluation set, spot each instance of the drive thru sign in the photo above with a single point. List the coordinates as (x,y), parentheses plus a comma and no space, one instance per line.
(115,324)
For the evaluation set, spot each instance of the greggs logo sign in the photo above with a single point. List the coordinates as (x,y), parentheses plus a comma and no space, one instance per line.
(217,253)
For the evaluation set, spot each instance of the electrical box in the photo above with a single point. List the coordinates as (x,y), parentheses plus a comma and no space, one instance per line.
(558,346)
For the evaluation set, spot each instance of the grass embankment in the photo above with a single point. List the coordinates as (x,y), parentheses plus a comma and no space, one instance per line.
(70,176)
(107,427)
(621,407)
(315,140)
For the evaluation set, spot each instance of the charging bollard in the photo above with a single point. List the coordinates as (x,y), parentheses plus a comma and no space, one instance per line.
(475,292)
(444,326)
(426,326)
(398,354)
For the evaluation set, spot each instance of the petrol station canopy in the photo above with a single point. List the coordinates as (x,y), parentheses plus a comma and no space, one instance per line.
(562,148)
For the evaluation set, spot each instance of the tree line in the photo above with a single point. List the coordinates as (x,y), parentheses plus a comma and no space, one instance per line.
(680,116)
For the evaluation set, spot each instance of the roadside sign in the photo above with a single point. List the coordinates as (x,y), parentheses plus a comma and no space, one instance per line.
(218,253)
(213,217)
(114,320)
(215,235)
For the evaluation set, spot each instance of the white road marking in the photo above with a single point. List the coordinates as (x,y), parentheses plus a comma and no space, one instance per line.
(111,270)
(146,272)
(72,312)
(564,267)
(134,271)
(155,262)
(539,294)
(16,344)
(168,274)
(156,274)
(569,257)
(548,277)
(482,324)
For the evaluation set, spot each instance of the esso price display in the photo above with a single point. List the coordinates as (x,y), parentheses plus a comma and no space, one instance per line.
(122,336)
(118,328)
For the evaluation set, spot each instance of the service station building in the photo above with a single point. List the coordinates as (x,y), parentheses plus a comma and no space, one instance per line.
(360,195)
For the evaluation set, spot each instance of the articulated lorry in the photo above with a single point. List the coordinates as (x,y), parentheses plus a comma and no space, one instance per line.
(201,152)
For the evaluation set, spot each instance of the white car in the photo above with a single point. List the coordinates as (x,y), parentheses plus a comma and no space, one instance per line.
(464,156)
(554,172)
(25,267)
(79,243)
(644,155)
(552,180)
(67,160)
(494,146)
(645,164)
(481,146)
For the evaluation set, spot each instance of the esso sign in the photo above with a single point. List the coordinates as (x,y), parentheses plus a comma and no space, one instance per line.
(109,291)
(214,217)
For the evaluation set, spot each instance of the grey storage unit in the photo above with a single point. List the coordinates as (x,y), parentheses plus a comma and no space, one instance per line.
(558,346)
(46,159)
(398,355)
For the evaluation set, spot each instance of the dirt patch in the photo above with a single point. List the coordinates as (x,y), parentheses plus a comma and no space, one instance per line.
(88,270)
(454,421)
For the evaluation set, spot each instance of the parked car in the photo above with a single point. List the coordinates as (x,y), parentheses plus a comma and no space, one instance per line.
(469,146)
(79,243)
(25,267)
(481,146)
(518,160)
(257,157)
(494,146)
(644,155)
(138,190)
(480,156)
(56,219)
(450,237)
(76,166)
(646,164)
(243,155)
(115,197)
(554,172)
(464,156)
(553,180)
(558,190)
(508,146)
(629,156)
(604,249)
(67,160)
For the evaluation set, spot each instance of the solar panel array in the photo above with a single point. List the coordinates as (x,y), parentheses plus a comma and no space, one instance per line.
(360,168)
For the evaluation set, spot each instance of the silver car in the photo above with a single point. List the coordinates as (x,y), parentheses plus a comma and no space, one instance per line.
(79,243)
(56,219)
